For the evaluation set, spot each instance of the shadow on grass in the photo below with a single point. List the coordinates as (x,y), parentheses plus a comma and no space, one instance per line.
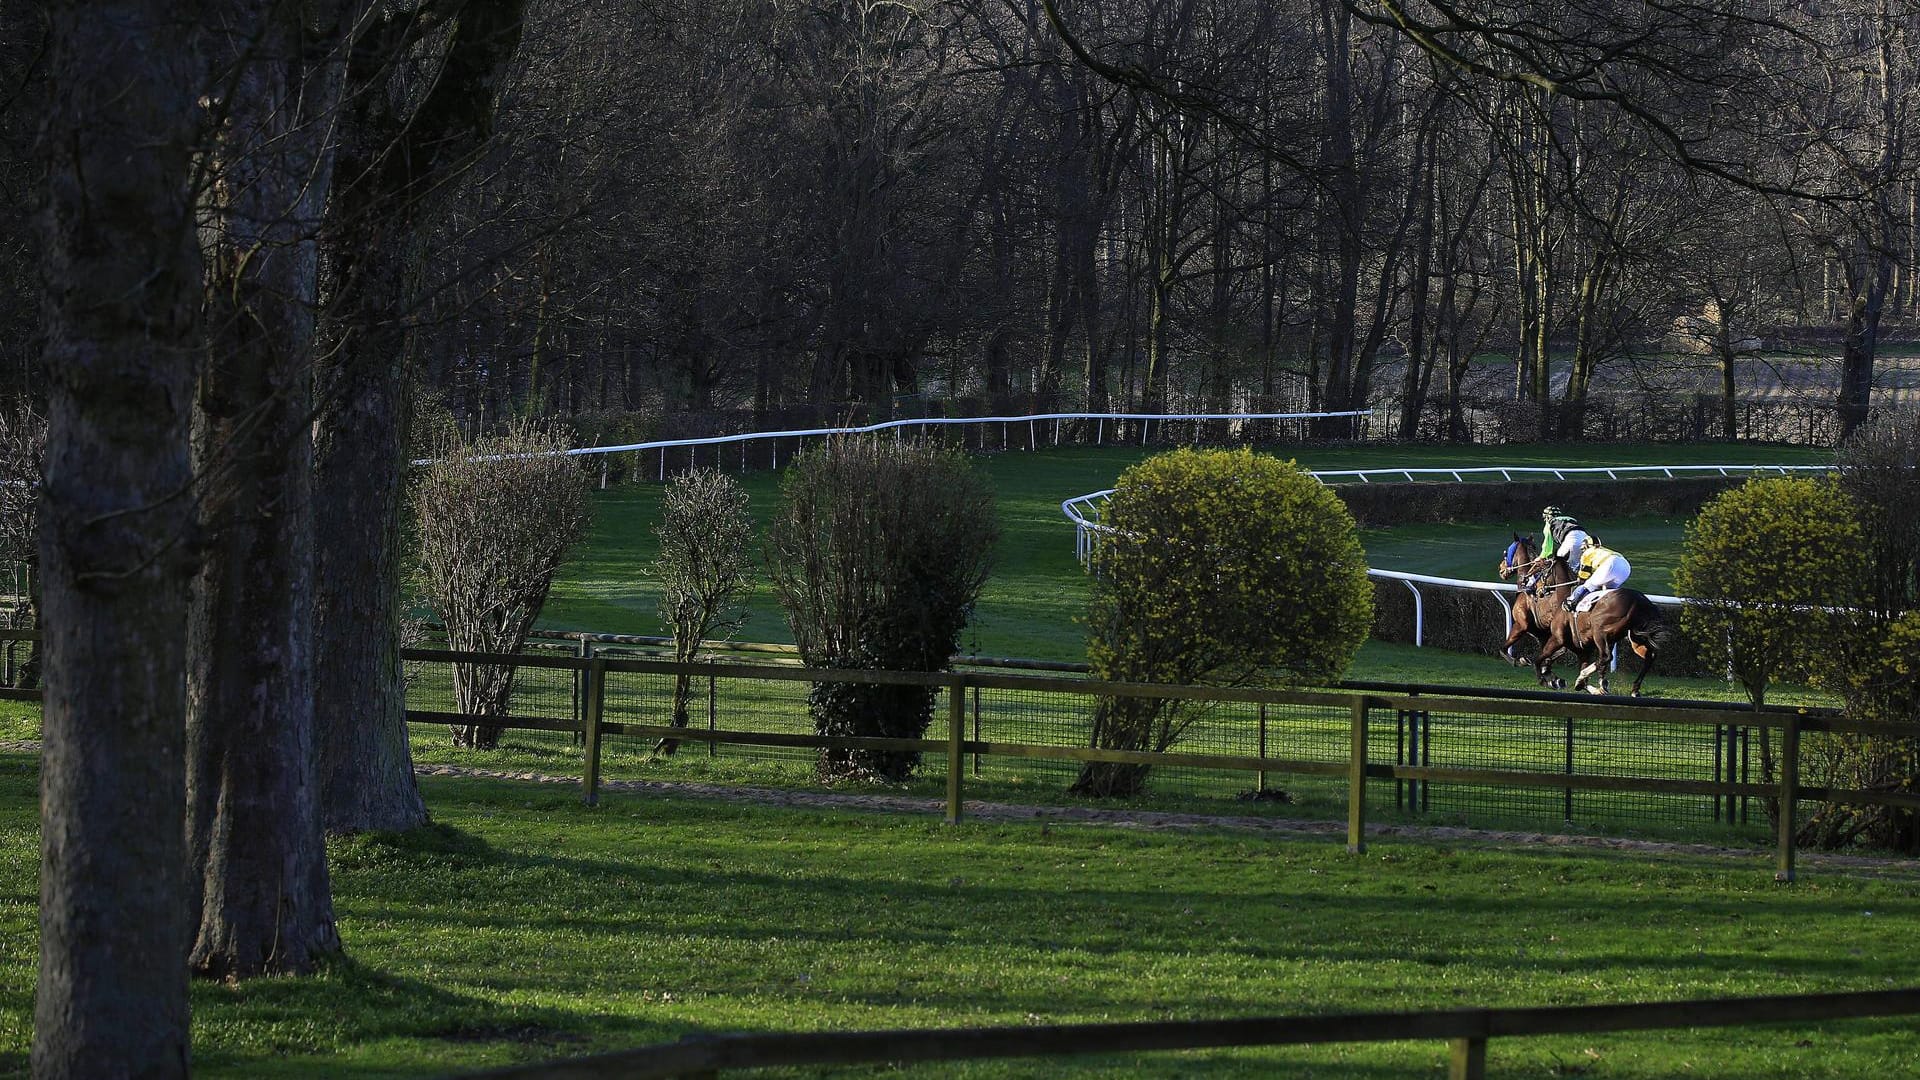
(588,901)
(363,1007)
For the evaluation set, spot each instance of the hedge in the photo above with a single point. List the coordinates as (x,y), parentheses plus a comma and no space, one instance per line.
(1376,505)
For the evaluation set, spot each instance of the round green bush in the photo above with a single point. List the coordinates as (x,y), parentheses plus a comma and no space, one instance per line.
(1769,566)
(1217,567)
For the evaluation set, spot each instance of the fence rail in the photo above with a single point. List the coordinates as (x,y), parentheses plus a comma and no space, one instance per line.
(1466,1031)
(1436,749)
(1033,429)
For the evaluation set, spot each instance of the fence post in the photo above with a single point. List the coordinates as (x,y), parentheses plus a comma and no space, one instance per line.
(596,691)
(976,729)
(1357,781)
(1567,793)
(1467,1058)
(1789,790)
(956,741)
(1260,778)
(580,691)
(1718,760)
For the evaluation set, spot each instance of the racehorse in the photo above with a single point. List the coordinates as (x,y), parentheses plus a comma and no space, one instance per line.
(1620,615)
(1523,623)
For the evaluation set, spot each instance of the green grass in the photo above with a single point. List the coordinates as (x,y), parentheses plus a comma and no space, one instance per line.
(523,927)
(1037,591)
(19,720)
(1651,546)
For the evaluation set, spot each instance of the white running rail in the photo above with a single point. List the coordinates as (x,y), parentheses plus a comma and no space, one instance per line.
(1085,510)
(1033,423)
(1611,472)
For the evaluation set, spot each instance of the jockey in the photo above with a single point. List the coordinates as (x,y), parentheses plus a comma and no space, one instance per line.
(1565,537)
(1600,568)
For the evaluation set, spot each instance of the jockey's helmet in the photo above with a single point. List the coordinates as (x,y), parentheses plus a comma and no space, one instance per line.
(1560,524)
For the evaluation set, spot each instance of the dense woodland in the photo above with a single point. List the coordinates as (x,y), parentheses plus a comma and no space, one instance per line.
(245,242)
(703,216)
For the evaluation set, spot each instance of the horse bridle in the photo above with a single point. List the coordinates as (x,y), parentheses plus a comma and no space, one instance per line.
(1528,573)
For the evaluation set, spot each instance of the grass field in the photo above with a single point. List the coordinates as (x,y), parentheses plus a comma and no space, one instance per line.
(523,927)
(1038,589)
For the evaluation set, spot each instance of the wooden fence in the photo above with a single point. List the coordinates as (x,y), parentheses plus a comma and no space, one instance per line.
(1466,1032)
(1359,708)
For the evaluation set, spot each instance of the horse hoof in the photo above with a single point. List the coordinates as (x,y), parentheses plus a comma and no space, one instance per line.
(1596,689)
(1558,684)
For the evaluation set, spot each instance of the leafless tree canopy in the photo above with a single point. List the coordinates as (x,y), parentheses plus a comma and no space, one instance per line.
(688,218)
(23,449)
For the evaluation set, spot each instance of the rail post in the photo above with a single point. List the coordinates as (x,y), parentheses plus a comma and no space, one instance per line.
(1567,793)
(596,693)
(1789,790)
(1260,778)
(1467,1058)
(1357,781)
(580,691)
(956,743)
(976,729)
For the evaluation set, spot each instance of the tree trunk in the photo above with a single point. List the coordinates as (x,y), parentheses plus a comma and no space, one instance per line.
(1419,364)
(1867,277)
(1723,344)
(253,820)
(1342,213)
(1130,724)
(390,160)
(361,403)
(122,278)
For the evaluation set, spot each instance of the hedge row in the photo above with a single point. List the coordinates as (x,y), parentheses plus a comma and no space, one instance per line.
(1518,504)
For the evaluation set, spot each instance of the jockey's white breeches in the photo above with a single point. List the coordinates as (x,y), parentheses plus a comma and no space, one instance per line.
(1608,573)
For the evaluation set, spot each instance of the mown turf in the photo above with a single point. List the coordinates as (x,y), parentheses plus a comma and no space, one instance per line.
(1038,590)
(523,926)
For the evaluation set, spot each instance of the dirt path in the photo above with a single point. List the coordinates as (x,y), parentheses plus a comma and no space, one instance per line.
(1159,819)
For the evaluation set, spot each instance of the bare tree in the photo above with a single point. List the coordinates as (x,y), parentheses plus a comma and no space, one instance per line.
(495,517)
(23,454)
(705,569)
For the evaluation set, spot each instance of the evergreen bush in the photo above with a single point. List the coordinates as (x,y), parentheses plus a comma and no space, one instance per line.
(1217,567)
(878,554)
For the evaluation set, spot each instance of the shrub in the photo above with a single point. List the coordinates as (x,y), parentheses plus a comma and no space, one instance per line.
(1880,468)
(703,569)
(1223,568)
(878,554)
(1768,565)
(1881,681)
(495,517)
(1879,653)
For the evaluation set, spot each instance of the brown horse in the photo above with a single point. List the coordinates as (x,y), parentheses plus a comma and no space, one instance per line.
(1524,623)
(1620,615)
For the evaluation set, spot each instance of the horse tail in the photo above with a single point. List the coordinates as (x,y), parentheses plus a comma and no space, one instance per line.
(1653,625)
